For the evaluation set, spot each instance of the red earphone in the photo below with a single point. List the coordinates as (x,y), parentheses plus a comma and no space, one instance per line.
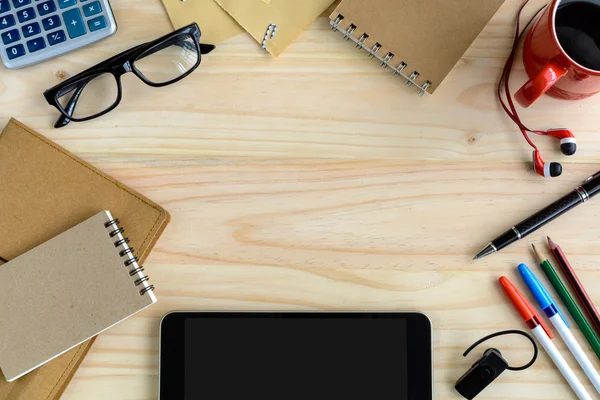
(545,169)
(568,143)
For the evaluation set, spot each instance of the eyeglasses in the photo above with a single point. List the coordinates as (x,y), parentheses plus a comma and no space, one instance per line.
(97,90)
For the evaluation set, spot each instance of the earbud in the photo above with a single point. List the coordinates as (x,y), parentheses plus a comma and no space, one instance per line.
(543,168)
(568,143)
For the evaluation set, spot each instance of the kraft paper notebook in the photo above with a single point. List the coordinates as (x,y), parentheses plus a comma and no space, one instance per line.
(66,291)
(44,191)
(419,40)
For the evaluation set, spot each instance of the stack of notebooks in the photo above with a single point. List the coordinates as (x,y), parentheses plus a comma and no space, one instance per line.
(420,40)
(70,271)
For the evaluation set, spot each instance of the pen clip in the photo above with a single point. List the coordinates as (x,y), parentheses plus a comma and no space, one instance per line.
(535,314)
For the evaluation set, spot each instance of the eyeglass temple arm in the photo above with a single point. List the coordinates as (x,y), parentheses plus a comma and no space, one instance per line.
(64,120)
(206,48)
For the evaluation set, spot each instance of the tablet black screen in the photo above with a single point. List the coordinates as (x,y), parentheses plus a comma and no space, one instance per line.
(269,358)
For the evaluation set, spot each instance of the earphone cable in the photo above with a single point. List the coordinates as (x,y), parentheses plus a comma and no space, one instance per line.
(505,77)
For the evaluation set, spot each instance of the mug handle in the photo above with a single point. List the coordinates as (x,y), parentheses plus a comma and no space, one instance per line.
(537,86)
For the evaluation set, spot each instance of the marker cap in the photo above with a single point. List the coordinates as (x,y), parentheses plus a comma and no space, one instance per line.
(525,309)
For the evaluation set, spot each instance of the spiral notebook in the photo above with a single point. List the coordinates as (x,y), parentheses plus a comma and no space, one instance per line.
(419,40)
(67,290)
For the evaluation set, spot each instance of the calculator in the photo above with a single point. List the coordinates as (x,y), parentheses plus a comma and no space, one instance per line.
(32,31)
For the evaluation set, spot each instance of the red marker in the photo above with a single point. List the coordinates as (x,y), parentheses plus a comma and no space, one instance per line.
(525,309)
(543,335)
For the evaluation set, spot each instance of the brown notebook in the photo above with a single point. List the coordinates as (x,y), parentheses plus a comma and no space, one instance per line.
(44,191)
(66,291)
(420,40)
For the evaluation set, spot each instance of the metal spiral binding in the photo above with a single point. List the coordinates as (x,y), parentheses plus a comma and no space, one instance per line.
(360,43)
(132,260)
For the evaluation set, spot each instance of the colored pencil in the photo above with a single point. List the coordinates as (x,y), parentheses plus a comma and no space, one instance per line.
(569,302)
(575,283)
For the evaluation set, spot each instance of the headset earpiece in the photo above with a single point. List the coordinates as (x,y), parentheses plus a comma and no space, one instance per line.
(545,169)
(568,143)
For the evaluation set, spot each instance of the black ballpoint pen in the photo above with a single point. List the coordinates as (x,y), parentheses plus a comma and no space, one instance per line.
(581,194)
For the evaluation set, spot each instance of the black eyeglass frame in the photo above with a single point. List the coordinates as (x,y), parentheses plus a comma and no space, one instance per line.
(117,66)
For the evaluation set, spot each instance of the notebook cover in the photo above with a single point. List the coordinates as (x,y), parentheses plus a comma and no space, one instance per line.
(430,36)
(64,292)
(45,190)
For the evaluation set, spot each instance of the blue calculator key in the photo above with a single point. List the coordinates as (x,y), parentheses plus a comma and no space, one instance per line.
(7,21)
(46,7)
(36,44)
(15,51)
(20,3)
(51,22)
(4,6)
(31,29)
(74,23)
(92,9)
(97,23)
(56,37)
(10,36)
(66,3)
(26,14)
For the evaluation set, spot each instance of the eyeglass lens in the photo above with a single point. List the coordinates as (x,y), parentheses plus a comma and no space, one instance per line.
(168,60)
(91,96)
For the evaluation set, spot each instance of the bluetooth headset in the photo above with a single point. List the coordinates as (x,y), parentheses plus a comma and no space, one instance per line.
(568,143)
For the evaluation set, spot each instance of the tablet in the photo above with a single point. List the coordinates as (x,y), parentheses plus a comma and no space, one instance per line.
(321,355)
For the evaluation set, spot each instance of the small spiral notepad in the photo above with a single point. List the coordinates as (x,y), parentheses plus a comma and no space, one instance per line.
(66,291)
(419,40)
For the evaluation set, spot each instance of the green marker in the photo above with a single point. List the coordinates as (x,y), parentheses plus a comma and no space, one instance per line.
(574,310)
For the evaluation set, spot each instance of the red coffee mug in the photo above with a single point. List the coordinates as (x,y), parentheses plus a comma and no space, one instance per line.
(550,68)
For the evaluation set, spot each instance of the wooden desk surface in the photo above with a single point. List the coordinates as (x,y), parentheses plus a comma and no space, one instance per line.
(317,181)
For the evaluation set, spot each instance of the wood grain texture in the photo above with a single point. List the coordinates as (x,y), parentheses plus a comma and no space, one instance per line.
(317,181)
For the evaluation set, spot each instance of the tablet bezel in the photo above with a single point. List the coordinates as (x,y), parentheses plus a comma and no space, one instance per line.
(419,348)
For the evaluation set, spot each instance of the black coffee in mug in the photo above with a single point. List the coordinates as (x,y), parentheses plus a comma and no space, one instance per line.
(578,31)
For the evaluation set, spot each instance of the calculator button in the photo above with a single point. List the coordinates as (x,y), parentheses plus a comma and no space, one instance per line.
(51,22)
(26,14)
(15,51)
(74,23)
(56,37)
(7,21)
(46,7)
(10,36)
(92,9)
(36,44)
(97,23)
(20,3)
(66,3)
(4,6)
(31,29)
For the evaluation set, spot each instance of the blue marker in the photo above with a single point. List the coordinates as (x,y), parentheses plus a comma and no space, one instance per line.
(551,310)
(542,297)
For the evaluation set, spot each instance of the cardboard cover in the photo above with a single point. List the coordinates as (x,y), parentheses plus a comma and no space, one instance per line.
(44,191)
(215,24)
(64,292)
(291,17)
(430,36)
